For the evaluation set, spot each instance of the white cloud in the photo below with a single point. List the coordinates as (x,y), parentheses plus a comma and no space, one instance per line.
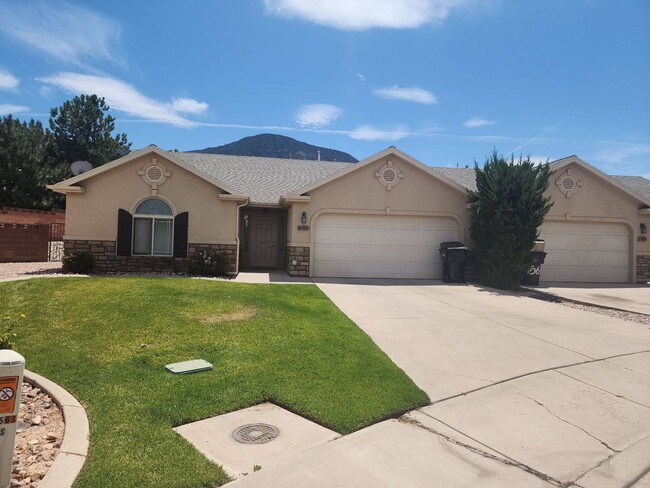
(618,152)
(8,81)
(189,105)
(371,133)
(317,115)
(357,15)
(476,122)
(361,77)
(412,94)
(6,109)
(63,32)
(119,96)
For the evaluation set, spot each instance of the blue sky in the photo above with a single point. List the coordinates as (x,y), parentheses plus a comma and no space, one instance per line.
(443,80)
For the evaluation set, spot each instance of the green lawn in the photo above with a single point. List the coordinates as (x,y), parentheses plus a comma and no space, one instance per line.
(287,344)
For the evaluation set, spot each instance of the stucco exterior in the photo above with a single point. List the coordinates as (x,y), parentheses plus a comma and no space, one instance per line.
(598,200)
(92,215)
(93,202)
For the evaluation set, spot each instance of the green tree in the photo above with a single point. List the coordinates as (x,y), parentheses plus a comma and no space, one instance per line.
(25,164)
(82,130)
(507,209)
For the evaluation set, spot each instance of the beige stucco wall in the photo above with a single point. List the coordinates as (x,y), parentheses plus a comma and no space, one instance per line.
(418,193)
(93,215)
(596,200)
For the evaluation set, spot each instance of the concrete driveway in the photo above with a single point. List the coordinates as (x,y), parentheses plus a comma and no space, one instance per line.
(523,393)
(632,298)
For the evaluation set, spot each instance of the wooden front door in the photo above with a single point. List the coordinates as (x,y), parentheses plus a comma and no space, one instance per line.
(264,241)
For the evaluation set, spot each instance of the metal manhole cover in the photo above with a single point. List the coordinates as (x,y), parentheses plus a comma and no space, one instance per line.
(255,433)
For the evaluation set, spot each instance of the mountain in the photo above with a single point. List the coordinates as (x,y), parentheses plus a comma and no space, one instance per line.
(276,146)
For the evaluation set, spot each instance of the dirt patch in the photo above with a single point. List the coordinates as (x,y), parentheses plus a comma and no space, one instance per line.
(39,435)
(238,315)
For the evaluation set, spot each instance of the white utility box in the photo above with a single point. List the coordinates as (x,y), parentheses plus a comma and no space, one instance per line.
(12,365)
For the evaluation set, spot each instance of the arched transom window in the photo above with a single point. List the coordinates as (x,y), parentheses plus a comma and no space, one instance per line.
(153,228)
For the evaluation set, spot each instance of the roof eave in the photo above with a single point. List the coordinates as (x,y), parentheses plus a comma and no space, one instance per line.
(65,189)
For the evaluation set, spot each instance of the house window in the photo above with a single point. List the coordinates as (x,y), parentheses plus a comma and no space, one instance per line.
(153,228)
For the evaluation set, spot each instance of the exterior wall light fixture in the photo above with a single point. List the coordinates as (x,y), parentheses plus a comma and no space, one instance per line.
(644,229)
(303,218)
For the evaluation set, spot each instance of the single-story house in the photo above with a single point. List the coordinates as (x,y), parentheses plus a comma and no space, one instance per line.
(382,217)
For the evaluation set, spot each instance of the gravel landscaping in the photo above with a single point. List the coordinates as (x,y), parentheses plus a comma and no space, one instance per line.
(639,318)
(12,271)
(39,435)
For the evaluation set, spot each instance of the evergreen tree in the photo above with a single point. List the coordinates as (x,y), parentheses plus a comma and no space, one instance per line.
(82,130)
(25,164)
(507,210)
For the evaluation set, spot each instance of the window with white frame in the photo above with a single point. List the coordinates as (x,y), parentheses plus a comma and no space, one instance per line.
(153,228)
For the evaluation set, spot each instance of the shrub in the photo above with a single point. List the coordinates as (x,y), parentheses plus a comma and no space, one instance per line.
(208,263)
(80,262)
(7,331)
(506,210)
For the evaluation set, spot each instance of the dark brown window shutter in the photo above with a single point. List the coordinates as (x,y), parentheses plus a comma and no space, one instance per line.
(180,235)
(124,231)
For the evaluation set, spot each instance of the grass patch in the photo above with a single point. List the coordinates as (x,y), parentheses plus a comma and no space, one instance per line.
(287,344)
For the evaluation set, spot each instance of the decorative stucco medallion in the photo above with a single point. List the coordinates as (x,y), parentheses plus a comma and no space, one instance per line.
(154,174)
(567,183)
(389,175)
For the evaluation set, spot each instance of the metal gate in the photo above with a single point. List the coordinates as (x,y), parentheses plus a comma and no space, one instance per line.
(55,244)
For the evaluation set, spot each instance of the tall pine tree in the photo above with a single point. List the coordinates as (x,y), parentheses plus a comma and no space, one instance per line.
(82,130)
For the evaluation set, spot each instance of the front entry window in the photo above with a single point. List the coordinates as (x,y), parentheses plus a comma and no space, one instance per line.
(153,226)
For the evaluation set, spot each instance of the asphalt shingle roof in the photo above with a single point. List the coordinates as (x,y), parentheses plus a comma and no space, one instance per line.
(264,180)
(637,184)
(465,177)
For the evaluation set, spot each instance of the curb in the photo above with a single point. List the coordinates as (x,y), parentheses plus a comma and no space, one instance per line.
(74,448)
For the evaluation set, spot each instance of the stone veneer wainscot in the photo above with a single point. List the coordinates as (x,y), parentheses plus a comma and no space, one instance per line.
(106,261)
(301,256)
(643,268)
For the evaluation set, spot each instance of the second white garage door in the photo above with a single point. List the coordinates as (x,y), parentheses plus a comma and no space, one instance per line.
(380,246)
(587,252)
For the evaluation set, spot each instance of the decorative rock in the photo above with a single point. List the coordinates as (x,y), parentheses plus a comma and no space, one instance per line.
(38,439)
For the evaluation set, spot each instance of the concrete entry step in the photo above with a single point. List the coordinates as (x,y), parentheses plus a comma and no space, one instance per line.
(262,435)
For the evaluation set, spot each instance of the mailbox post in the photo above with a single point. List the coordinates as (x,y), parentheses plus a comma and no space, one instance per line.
(12,365)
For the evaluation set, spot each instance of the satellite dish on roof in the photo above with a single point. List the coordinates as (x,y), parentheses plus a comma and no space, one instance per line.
(79,167)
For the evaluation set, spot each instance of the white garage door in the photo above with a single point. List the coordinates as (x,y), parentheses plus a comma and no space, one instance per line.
(587,252)
(380,246)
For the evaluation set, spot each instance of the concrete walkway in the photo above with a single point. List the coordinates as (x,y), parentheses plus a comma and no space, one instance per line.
(632,298)
(523,392)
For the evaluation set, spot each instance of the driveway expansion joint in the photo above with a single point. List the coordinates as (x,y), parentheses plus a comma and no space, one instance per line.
(508,461)
(524,375)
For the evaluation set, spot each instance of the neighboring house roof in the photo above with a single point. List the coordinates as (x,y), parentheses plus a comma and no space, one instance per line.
(638,184)
(263,180)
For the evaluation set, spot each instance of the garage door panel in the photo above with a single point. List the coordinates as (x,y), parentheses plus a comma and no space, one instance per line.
(377,246)
(587,252)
